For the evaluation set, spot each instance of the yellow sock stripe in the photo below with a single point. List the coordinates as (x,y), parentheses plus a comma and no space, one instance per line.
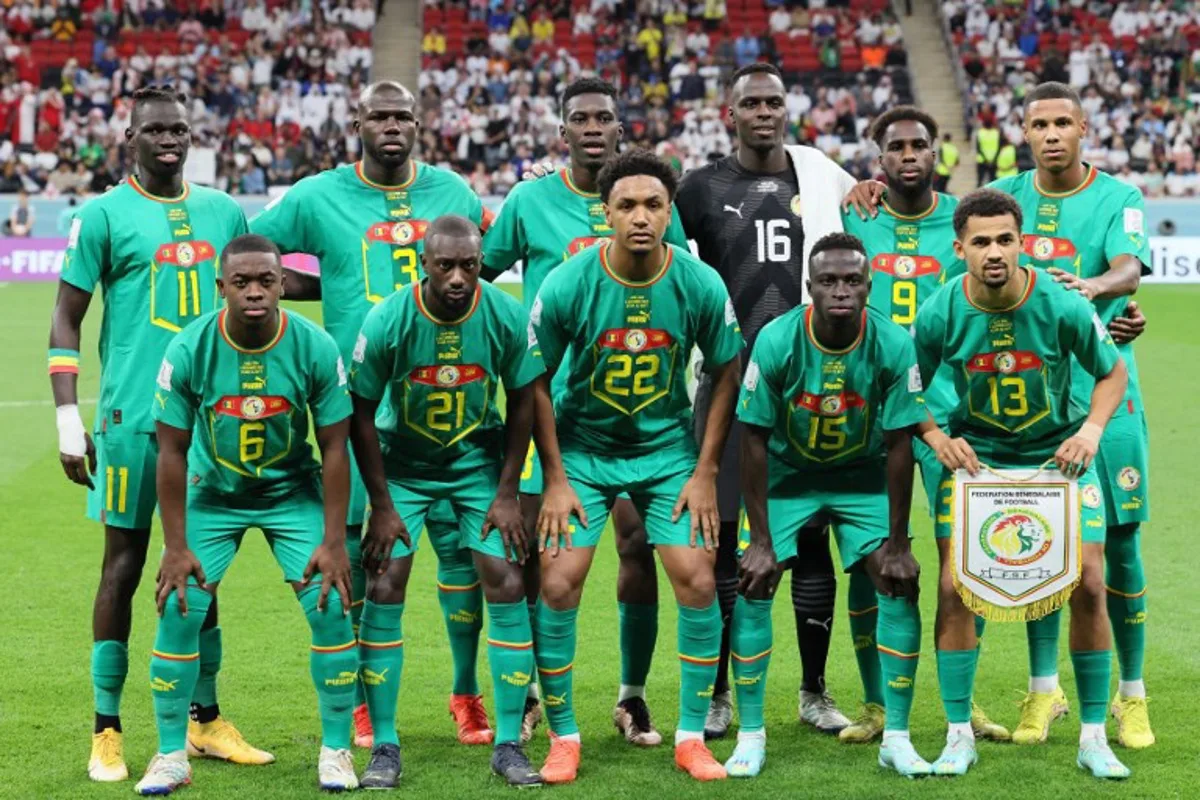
(380,645)
(175,656)
(356,603)
(1113,591)
(510,645)
(556,670)
(749,659)
(863,612)
(334,649)
(704,662)
(447,587)
(896,653)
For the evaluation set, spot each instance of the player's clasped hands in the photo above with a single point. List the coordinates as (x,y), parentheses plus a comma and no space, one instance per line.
(384,527)
(178,564)
(504,515)
(559,502)
(332,564)
(699,497)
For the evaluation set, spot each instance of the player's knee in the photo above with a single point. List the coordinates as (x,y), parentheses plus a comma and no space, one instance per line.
(950,605)
(1089,595)
(559,590)
(177,632)
(504,585)
(696,588)
(390,587)
(633,547)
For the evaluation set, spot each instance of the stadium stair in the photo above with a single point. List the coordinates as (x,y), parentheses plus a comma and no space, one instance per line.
(397,43)
(933,84)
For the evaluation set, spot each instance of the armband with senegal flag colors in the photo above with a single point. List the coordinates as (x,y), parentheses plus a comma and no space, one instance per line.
(61,360)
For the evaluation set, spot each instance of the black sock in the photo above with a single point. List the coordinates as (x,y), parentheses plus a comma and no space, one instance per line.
(203,714)
(727,584)
(814,589)
(105,721)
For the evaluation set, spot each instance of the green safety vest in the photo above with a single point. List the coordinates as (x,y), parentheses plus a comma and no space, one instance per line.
(987,144)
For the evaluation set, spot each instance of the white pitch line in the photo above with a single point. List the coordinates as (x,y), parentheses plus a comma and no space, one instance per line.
(35,403)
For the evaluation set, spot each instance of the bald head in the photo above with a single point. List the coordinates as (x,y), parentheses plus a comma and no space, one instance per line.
(452,228)
(387,124)
(452,260)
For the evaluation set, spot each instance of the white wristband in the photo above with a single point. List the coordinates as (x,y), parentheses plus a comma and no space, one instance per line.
(72,436)
(1092,432)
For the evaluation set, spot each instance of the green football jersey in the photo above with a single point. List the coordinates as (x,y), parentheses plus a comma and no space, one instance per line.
(368,238)
(1012,369)
(911,258)
(248,409)
(437,381)
(545,222)
(1081,232)
(156,262)
(827,409)
(626,346)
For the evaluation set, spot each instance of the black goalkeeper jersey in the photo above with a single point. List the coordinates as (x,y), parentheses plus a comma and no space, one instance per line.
(747,227)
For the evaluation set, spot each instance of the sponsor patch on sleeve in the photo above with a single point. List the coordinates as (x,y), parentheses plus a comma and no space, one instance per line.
(730,314)
(164,374)
(751,379)
(341,369)
(360,349)
(914,379)
(1135,221)
(535,313)
(73,236)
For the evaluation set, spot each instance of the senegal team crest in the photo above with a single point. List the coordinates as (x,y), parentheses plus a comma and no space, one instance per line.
(447,375)
(402,233)
(795,205)
(1043,248)
(1015,541)
(905,267)
(1129,478)
(1006,362)
(635,340)
(1015,537)
(832,405)
(185,254)
(1090,496)
(253,407)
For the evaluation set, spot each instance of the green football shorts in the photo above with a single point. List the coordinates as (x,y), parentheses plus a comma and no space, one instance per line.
(1123,465)
(462,500)
(855,501)
(356,510)
(652,482)
(1091,506)
(931,471)
(124,493)
(294,526)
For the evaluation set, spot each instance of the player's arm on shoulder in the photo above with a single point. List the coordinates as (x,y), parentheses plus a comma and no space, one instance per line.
(285,223)
(504,242)
(1126,249)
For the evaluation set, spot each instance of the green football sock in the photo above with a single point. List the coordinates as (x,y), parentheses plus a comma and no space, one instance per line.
(638,624)
(531,609)
(461,600)
(956,682)
(980,627)
(381,653)
(333,664)
(205,694)
(750,654)
(699,638)
(110,665)
(510,654)
(175,666)
(358,592)
(554,646)
(899,637)
(1043,645)
(1093,672)
(1126,584)
(864,620)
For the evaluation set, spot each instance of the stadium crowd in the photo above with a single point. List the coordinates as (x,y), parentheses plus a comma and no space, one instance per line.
(493,72)
(272,87)
(1137,65)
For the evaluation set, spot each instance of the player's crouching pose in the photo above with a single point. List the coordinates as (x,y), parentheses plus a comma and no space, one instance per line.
(818,380)
(430,360)
(1019,420)
(251,453)
(625,314)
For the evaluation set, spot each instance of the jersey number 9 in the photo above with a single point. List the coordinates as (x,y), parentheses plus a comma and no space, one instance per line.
(904,302)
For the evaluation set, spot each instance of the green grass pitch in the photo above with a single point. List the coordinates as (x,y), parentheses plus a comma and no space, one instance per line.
(51,555)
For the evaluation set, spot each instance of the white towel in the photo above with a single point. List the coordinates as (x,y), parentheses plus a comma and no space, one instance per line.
(823,184)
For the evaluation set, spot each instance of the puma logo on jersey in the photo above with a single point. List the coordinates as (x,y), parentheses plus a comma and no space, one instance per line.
(737,210)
